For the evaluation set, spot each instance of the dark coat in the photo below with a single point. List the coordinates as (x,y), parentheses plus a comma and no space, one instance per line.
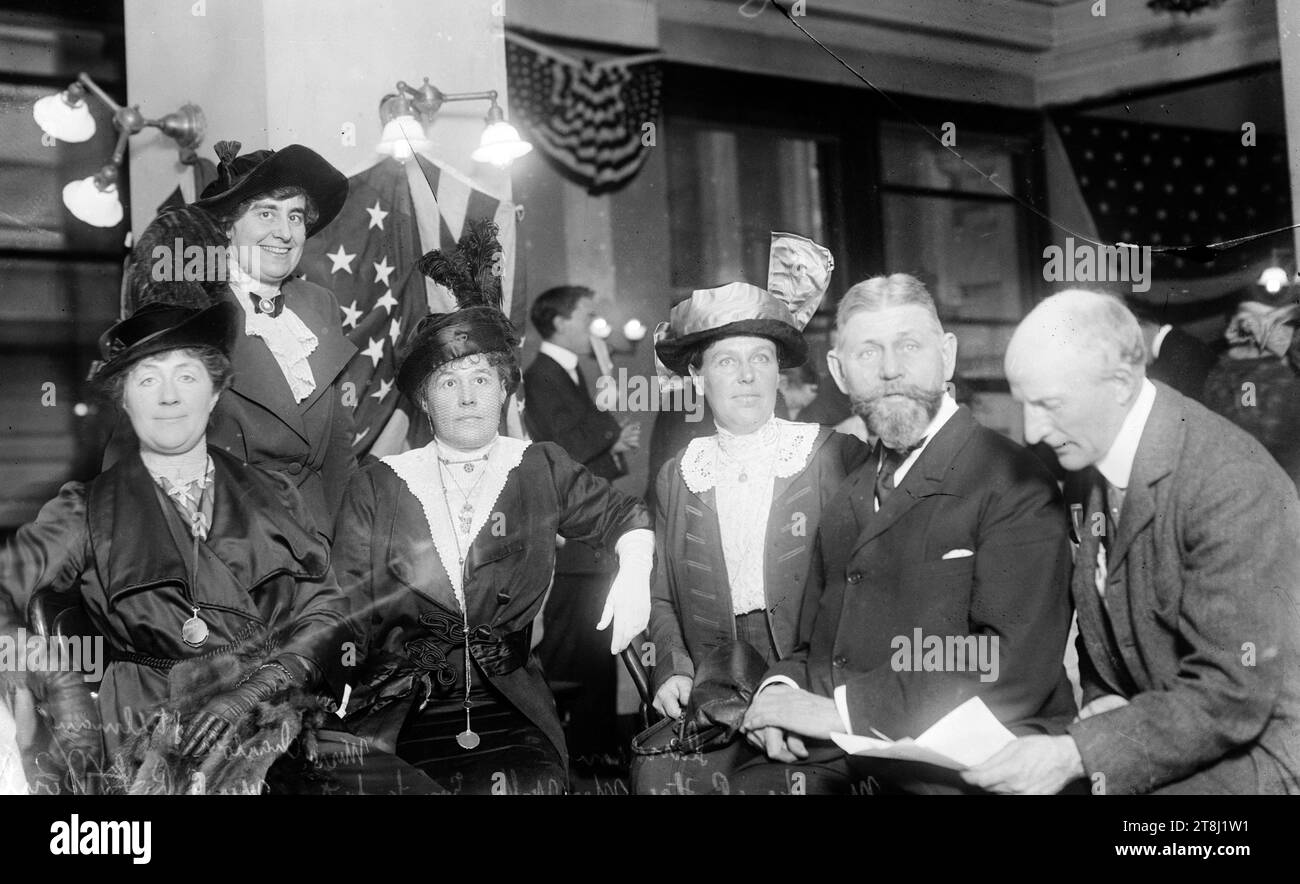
(692,611)
(390,570)
(878,576)
(1206,561)
(258,421)
(122,546)
(557,410)
(1184,363)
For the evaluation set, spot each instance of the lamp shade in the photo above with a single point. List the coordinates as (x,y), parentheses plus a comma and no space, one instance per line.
(99,208)
(1273,279)
(634,330)
(500,145)
(65,121)
(599,328)
(402,136)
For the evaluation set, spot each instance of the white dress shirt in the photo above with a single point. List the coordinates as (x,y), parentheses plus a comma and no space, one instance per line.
(1159,339)
(567,358)
(1116,466)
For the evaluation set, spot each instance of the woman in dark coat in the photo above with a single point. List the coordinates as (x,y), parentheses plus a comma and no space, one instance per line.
(446,552)
(181,553)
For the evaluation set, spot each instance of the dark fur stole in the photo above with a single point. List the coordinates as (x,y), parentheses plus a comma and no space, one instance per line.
(151,763)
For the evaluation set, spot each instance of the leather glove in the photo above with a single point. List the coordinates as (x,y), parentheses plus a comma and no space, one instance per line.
(226,709)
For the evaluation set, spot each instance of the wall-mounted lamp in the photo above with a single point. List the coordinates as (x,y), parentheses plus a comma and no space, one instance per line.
(66,116)
(407,111)
(634,330)
(1274,278)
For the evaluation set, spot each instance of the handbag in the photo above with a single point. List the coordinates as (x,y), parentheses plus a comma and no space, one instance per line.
(695,754)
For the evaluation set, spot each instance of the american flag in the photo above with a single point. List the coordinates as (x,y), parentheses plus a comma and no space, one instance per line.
(367,255)
(1166,186)
(589,118)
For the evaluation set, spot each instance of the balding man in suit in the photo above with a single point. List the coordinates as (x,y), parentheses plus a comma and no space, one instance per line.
(1185,579)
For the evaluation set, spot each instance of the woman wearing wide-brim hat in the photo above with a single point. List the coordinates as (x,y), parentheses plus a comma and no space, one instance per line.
(446,552)
(737,511)
(206,577)
(284,410)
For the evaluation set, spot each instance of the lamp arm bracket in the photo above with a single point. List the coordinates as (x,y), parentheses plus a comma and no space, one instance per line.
(84,79)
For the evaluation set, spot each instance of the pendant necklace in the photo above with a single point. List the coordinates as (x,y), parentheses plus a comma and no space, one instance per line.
(466,517)
(194,632)
(466,739)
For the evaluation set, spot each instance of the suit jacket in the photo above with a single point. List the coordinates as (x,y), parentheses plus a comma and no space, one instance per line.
(258,421)
(389,568)
(691,609)
(880,577)
(1199,625)
(1184,363)
(557,410)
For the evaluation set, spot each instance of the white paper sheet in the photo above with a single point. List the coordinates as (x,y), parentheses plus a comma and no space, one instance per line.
(965,737)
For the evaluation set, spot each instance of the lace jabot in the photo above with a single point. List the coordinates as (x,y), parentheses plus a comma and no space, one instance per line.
(779,447)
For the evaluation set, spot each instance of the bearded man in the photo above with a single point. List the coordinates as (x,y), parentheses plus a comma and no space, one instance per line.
(949,532)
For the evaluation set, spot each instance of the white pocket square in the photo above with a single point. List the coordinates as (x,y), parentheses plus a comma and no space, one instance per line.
(958,553)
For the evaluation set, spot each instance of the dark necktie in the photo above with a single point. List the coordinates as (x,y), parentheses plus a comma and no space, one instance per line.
(581,381)
(271,307)
(890,461)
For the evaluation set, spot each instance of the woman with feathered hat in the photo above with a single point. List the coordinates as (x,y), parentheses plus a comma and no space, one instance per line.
(446,553)
(284,410)
(737,511)
(206,578)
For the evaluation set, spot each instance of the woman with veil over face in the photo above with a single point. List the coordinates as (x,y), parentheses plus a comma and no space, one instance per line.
(446,552)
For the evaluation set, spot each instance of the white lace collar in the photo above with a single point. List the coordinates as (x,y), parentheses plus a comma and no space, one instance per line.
(419,471)
(787,444)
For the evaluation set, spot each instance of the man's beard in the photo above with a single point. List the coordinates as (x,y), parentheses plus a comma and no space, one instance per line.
(899,424)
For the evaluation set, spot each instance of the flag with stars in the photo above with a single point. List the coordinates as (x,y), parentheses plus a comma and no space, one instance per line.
(1165,186)
(367,256)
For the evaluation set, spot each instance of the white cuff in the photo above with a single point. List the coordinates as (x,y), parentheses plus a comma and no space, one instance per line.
(775,679)
(842,707)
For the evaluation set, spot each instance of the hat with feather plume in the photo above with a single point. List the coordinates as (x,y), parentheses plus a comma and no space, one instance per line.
(472,272)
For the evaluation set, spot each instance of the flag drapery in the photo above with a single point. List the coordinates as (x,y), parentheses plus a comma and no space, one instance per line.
(1167,186)
(367,256)
(589,118)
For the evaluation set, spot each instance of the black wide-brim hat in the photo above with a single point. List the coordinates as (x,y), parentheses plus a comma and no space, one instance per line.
(443,337)
(729,311)
(158,327)
(242,178)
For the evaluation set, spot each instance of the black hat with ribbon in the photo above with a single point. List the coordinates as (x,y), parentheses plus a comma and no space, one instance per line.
(472,273)
(247,177)
(158,327)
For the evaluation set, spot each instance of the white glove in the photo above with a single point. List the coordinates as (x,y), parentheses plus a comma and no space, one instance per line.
(628,604)
(13,780)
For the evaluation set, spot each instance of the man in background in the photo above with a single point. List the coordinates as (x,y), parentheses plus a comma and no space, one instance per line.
(558,408)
